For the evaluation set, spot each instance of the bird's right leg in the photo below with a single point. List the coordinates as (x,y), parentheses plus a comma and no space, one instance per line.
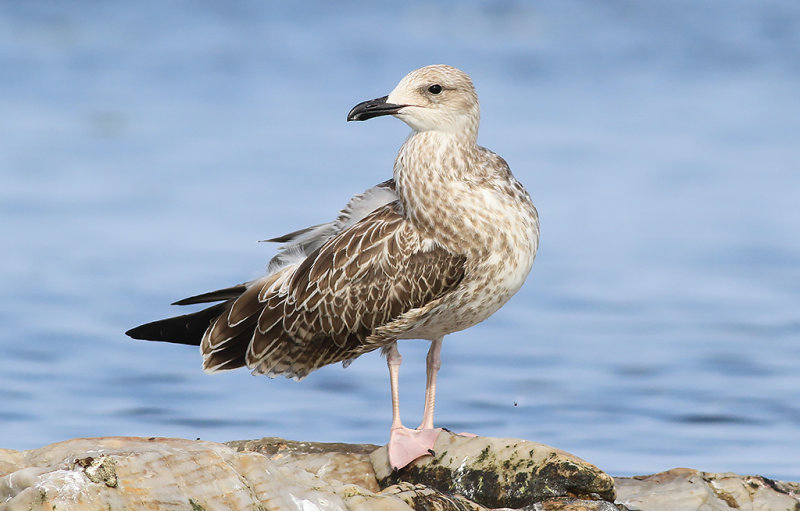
(393,360)
(405,445)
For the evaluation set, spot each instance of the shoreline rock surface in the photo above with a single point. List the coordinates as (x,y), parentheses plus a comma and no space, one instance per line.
(466,474)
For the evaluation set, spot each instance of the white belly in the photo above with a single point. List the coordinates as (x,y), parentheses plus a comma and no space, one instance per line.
(486,287)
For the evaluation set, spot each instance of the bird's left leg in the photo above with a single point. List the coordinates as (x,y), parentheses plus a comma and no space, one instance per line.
(433,363)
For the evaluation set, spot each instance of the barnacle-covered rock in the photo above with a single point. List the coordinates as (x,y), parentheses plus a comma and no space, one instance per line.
(499,472)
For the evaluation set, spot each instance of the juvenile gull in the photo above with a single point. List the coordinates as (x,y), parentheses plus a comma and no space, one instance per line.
(437,249)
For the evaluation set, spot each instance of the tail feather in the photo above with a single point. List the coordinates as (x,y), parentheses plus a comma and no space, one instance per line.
(186,329)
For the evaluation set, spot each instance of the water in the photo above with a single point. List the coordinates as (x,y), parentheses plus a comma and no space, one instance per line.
(145,148)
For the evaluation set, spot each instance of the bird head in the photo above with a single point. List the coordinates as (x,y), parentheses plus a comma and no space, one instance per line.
(433,98)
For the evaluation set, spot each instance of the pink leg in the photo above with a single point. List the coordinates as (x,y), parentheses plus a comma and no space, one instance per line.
(393,360)
(433,363)
(405,445)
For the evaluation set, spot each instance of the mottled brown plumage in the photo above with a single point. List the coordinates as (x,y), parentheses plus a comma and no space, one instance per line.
(325,309)
(435,250)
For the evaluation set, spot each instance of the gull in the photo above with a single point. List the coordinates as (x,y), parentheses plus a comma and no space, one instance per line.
(436,249)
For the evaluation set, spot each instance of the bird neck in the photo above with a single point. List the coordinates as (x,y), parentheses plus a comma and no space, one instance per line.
(435,155)
(431,171)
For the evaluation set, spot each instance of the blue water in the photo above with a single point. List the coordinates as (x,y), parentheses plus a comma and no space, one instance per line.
(145,148)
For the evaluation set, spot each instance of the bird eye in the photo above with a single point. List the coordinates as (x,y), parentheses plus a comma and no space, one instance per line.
(435,88)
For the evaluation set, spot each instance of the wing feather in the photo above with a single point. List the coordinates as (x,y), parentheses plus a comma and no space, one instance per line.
(326,308)
(301,243)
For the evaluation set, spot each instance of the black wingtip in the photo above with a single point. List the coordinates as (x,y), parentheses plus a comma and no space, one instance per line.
(186,329)
(135,333)
(214,296)
(164,330)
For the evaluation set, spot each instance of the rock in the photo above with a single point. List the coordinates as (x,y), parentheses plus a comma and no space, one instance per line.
(118,473)
(133,473)
(573,504)
(345,463)
(421,498)
(174,474)
(9,460)
(499,472)
(684,488)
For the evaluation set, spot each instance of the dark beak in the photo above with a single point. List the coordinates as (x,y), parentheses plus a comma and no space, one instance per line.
(372,108)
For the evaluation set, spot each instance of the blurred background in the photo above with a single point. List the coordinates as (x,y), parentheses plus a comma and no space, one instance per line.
(146,147)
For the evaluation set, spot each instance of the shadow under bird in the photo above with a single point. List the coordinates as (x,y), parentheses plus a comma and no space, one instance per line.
(436,249)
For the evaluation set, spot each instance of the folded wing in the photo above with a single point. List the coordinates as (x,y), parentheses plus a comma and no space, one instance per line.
(324,309)
(327,290)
